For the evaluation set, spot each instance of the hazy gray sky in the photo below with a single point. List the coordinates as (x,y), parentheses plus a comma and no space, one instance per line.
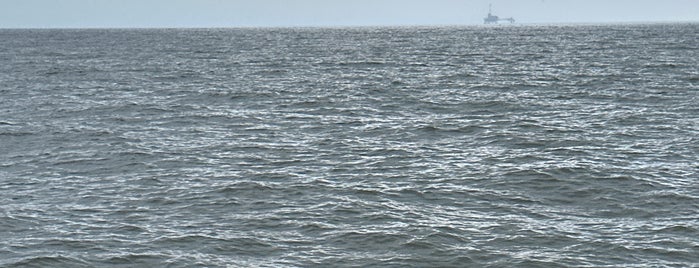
(235,13)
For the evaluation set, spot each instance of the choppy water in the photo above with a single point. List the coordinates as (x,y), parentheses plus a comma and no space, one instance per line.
(371,147)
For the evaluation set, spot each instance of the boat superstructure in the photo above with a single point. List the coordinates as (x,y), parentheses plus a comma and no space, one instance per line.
(492,19)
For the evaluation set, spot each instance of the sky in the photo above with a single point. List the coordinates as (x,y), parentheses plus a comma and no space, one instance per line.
(292,13)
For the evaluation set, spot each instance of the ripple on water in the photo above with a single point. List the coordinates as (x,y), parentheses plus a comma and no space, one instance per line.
(403,147)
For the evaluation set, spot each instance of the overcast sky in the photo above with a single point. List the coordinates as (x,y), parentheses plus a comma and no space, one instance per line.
(244,13)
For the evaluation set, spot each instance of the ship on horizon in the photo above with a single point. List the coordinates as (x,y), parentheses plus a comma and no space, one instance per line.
(492,19)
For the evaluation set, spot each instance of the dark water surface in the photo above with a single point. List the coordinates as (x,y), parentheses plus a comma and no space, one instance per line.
(370,147)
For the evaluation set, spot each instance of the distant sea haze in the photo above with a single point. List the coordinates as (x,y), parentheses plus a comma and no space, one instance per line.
(526,146)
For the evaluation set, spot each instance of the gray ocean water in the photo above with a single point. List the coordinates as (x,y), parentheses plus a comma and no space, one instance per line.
(524,146)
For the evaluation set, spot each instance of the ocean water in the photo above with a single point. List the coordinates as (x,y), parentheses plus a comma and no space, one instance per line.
(524,146)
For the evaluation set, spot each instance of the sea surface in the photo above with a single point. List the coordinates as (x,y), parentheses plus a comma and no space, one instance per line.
(521,146)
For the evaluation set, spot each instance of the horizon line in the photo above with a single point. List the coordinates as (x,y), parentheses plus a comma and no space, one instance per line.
(357,25)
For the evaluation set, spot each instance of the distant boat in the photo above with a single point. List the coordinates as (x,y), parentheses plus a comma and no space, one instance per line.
(492,19)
